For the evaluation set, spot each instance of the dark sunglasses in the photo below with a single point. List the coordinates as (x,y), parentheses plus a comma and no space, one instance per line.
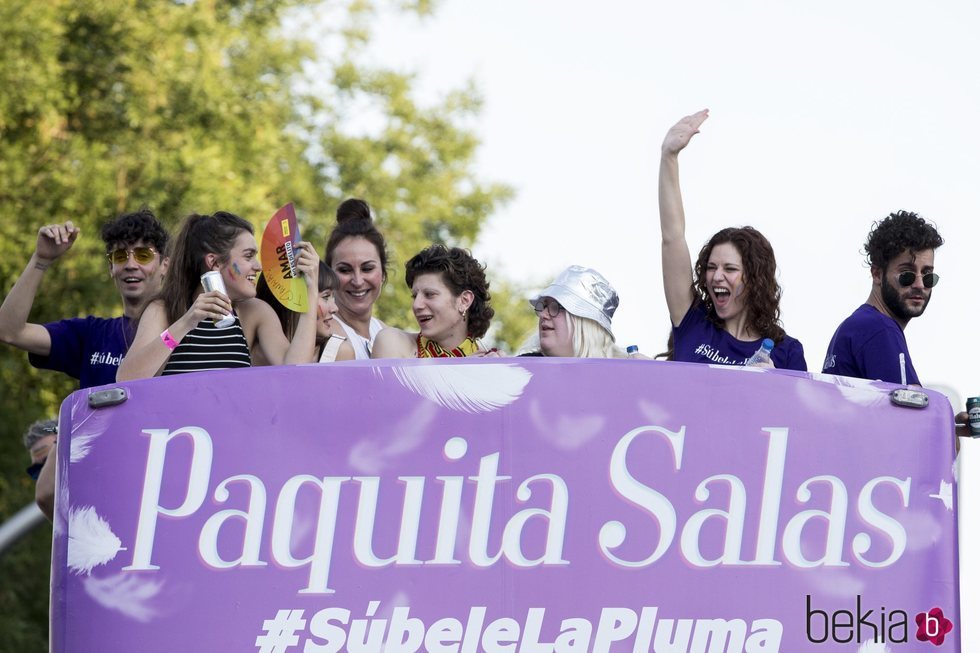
(907,278)
(549,306)
(35,470)
(143,255)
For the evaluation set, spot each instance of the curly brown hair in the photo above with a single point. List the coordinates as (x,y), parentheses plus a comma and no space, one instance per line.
(899,232)
(759,273)
(460,271)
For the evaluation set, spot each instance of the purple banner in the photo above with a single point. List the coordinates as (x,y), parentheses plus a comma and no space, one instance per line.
(522,506)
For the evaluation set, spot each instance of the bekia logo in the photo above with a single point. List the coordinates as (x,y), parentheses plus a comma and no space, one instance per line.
(933,626)
(881,625)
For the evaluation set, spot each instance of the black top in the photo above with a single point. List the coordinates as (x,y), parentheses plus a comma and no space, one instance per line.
(207,347)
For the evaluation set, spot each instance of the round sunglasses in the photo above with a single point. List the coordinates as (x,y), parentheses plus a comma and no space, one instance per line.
(907,278)
(549,306)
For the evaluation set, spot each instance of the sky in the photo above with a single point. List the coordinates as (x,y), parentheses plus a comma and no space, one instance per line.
(825,116)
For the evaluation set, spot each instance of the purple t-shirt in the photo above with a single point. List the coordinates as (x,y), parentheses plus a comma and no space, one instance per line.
(697,340)
(87,348)
(870,345)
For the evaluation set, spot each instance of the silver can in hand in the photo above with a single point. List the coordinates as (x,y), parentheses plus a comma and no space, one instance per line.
(212,280)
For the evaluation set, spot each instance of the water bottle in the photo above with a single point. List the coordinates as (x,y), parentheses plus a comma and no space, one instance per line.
(633,351)
(762,355)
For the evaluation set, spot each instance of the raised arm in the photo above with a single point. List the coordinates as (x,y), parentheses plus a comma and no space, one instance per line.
(52,241)
(675,255)
(268,331)
(44,491)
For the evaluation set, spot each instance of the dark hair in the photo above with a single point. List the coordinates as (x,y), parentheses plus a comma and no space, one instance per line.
(759,274)
(899,232)
(460,271)
(199,235)
(353,220)
(130,228)
(326,280)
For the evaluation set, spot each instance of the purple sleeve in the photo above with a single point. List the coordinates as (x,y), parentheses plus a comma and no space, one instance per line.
(66,347)
(795,360)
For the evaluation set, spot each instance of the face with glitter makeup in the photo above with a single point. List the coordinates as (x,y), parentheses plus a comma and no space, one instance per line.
(242,267)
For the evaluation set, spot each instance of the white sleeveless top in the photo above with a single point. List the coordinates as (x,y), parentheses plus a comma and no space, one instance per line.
(362,346)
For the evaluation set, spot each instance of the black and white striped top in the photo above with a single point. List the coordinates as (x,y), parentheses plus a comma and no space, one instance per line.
(207,347)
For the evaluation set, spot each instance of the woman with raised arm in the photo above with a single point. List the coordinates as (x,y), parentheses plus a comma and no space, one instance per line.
(451,302)
(733,302)
(356,252)
(331,341)
(575,317)
(178,332)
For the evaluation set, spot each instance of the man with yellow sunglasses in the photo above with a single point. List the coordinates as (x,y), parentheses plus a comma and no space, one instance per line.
(90,348)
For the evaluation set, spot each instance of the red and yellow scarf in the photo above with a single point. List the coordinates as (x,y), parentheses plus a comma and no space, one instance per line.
(431,349)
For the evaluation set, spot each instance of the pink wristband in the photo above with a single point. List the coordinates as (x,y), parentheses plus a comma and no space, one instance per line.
(168,340)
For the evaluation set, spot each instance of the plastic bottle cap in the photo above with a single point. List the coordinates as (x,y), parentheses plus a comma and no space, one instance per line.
(632,349)
(768,344)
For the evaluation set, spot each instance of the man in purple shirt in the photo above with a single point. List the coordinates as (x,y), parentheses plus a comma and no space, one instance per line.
(870,344)
(88,349)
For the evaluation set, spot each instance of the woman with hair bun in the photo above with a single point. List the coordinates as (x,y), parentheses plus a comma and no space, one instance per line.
(575,317)
(178,331)
(356,251)
(451,302)
(732,304)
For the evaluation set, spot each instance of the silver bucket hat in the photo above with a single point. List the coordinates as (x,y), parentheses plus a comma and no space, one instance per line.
(585,293)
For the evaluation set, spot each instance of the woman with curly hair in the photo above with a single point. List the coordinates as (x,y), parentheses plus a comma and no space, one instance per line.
(733,302)
(451,302)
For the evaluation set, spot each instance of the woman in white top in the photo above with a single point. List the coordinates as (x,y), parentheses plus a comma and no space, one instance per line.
(356,252)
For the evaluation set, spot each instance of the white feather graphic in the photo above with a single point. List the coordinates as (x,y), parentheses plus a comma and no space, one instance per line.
(566,432)
(91,541)
(466,388)
(874,647)
(61,497)
(863,392)
(371,456)
(945,494)
(125,593)
(92,423)
(81,445)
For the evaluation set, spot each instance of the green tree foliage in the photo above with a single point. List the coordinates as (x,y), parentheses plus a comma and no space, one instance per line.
(200,105)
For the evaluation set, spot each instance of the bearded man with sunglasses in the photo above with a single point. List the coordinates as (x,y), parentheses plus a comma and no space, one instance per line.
(90,348)
(870,344)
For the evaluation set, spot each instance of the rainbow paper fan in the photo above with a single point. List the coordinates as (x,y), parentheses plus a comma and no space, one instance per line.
(279,260)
